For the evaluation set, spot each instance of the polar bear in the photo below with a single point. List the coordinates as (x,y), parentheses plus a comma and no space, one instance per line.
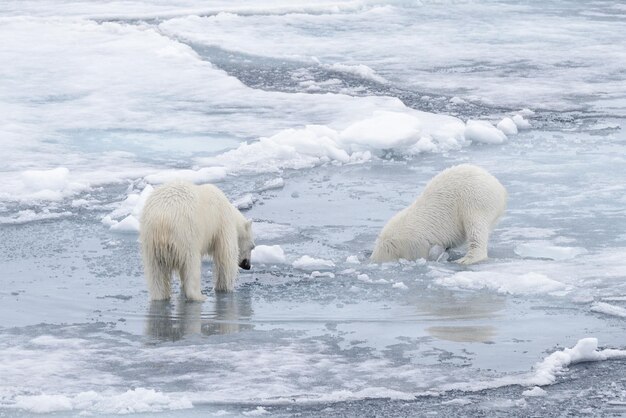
(180,223)
(461,204)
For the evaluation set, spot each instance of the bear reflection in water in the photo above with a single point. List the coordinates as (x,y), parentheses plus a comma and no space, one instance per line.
(230,314)
(460,317)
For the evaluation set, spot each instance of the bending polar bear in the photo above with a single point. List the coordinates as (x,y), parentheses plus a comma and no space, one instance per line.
(460,204)
(180,223)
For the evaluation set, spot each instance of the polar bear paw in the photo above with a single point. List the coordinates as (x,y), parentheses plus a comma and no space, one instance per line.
(467,260)
(199,297)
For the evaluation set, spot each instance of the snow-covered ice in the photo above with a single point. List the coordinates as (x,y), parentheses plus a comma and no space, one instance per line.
(507,126)
(543,249)
(481,131)
(307,262)
(535,391)
(528,283)
(609,309)
(268,254)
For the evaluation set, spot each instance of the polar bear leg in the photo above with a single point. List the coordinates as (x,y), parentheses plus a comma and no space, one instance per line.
(159,279)
(477,235)
(225,263)
(190,276)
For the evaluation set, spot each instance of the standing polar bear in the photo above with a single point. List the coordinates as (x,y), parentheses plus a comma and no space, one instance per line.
(180,223)
(460,204)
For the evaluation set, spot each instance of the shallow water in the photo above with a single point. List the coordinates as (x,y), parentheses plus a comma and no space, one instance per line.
(77,332)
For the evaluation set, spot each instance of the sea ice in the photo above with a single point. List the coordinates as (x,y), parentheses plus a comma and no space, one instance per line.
(136,400)
(256,412)
(315,274)
(130,209)
(244,202)
(507,126)
(608,309)
(546,371)
(524,284)
(202,175)
(268,254)
(545,249)
(359,69)
(535,391)
(520,122)
(485,132)
(309,263)
(27,215)
(277,183)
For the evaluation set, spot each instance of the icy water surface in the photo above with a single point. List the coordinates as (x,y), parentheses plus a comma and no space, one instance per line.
(107,102)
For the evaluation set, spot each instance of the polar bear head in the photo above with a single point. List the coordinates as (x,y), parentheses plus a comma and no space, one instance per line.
(246,244)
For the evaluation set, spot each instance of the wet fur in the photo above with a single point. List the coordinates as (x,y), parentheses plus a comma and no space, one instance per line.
(181,223)
(460,204)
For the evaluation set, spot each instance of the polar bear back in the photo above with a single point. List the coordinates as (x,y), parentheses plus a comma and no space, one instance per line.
(184,218)
(451,202)
(461,191)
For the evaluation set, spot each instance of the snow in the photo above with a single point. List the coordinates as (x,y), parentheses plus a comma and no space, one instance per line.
(244,202)
(200,176)
(52,341)
(534,392)
(291,148)
(41,185)
(484,132)
(137,400)
(359,70)
(129,224)
(457,101)
(520,122)
(126,111)
(546,371)
(526,113)
(383,130)
(586,349)
(130,212)
(614,299)
(43,404)
(545,249)
(447,56)
(524,284)
(309,263)
(608,309)
(268,254)
(27,215)
(277,183)
(405,131)
(352,259)
(507,126)
(256,412)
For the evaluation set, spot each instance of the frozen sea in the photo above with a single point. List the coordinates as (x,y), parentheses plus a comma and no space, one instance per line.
(320,120)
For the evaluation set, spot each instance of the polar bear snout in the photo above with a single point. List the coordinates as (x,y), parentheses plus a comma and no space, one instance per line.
(245,264)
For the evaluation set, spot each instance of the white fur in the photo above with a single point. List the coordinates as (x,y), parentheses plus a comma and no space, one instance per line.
(182,222)
(460,204)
